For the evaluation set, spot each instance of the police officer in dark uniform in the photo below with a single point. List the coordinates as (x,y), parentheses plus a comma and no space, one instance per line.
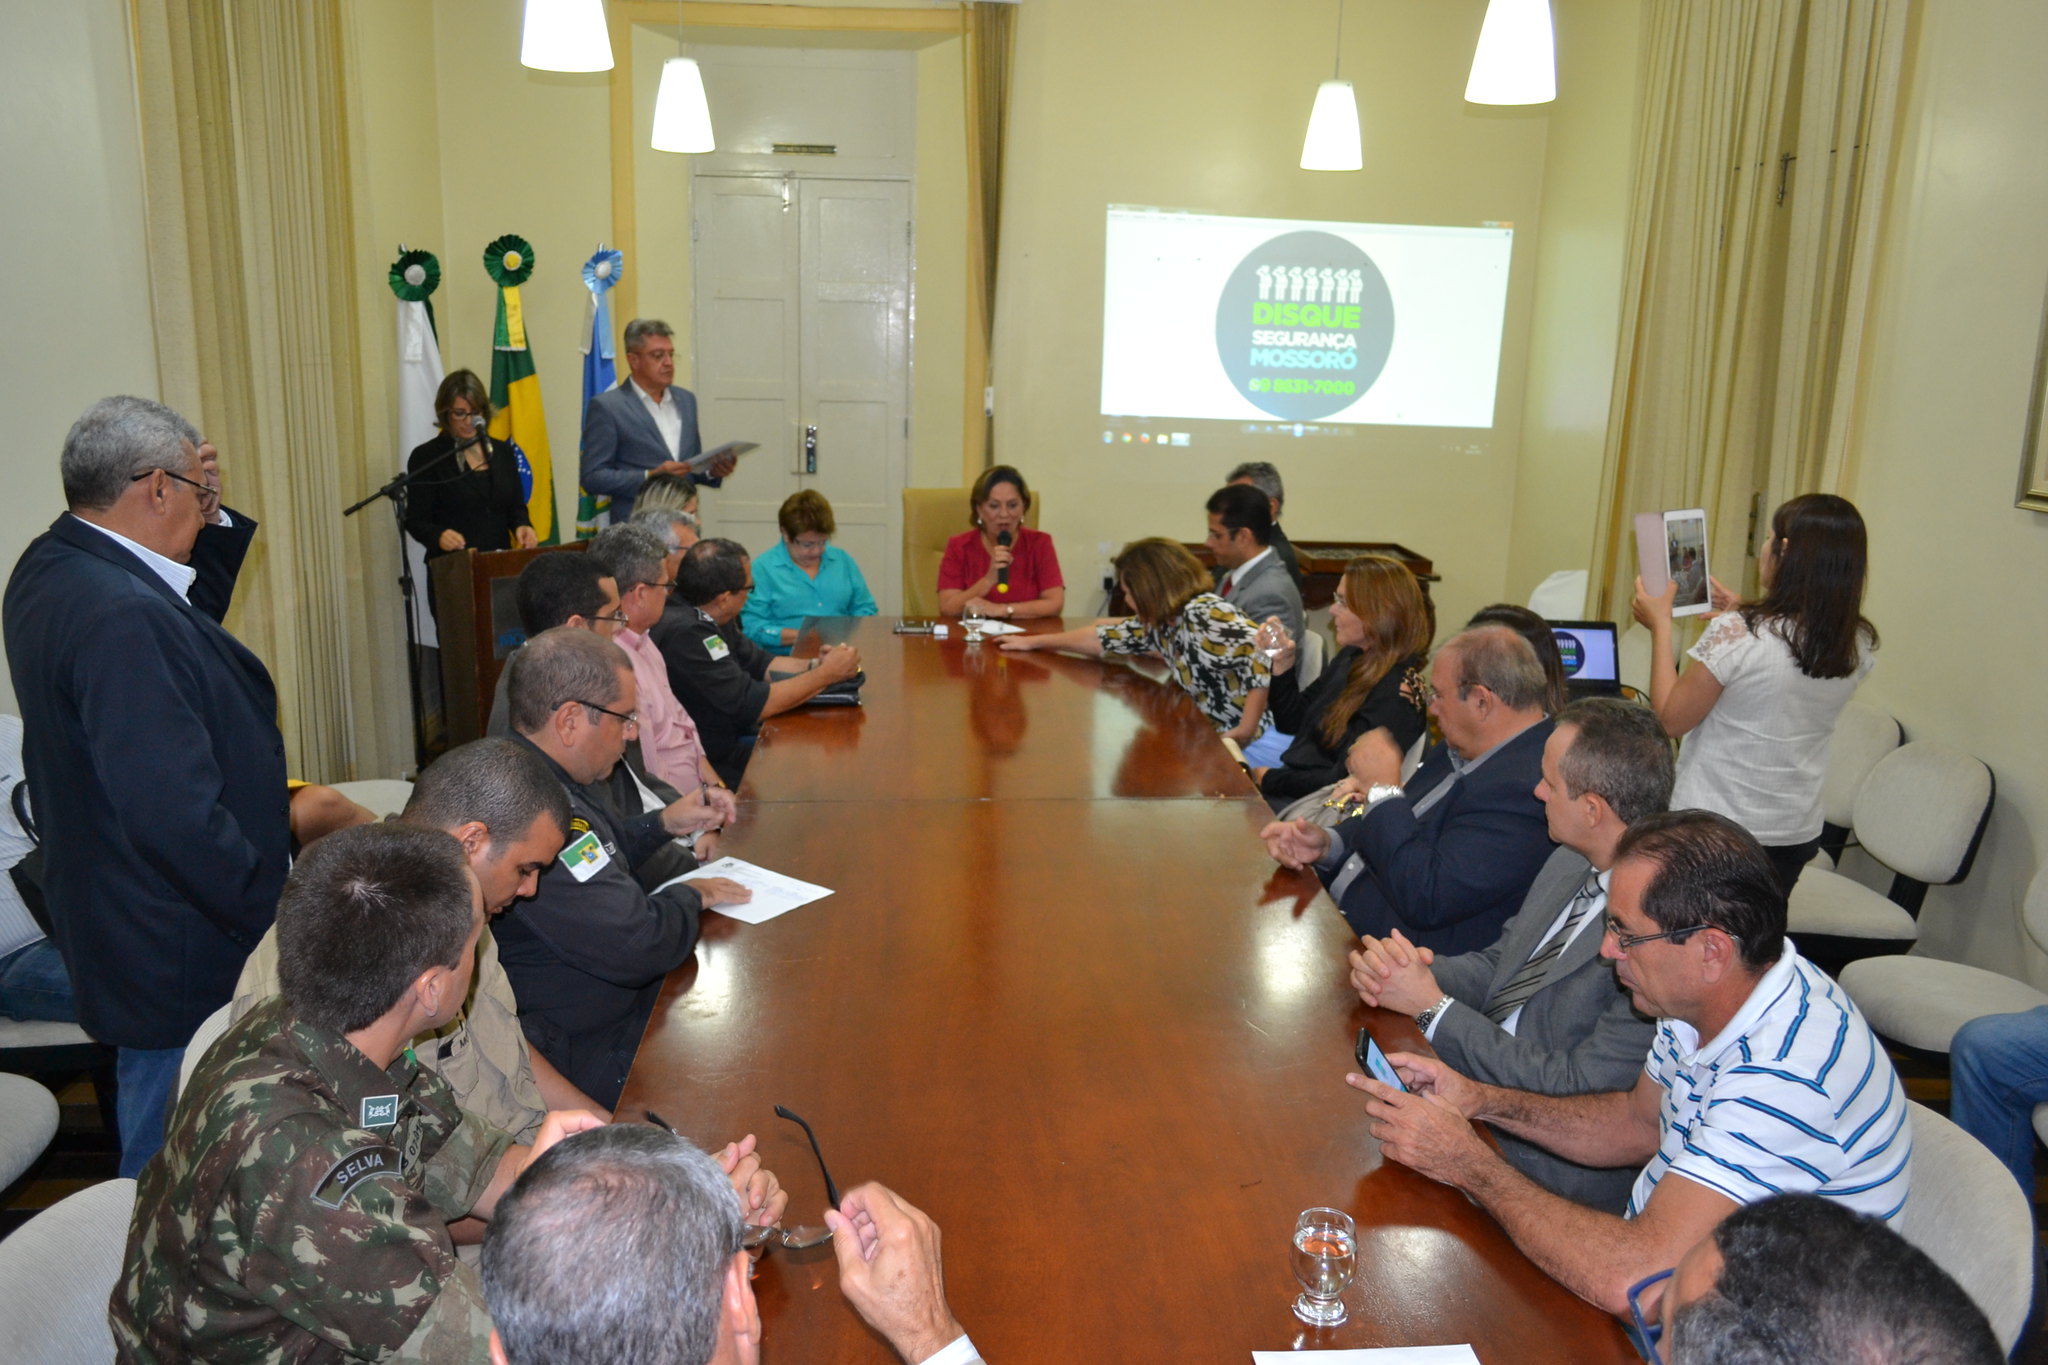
(727,683)
(587,953)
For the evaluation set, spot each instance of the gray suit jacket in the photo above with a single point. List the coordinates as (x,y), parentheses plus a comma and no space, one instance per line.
(621,443)
(1577,1035)
(1268,591)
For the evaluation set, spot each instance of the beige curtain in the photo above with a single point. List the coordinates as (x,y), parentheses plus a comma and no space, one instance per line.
(245,151)
(988,44)
(1766,140)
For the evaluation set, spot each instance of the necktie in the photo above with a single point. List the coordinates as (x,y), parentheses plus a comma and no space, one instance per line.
(1228,584)
(1529,980)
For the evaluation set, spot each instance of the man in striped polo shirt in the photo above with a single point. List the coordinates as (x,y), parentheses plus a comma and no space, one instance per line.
(1762,1078)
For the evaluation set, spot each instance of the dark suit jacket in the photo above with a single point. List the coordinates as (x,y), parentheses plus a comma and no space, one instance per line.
(151,744)
(621,443)
(1284,549)
(1577,1035)
(1450,878)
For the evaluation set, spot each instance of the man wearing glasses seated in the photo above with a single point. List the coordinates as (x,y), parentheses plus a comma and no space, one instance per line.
(587,953)
(1763,1077)
(639,1198)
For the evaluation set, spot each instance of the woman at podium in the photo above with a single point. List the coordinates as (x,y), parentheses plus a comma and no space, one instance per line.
(469,493)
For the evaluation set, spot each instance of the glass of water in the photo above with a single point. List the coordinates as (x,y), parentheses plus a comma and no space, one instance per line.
(1325,1255)
(1270,639)
(970,623)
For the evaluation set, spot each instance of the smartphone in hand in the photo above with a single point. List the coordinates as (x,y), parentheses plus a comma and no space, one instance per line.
(1374,1063)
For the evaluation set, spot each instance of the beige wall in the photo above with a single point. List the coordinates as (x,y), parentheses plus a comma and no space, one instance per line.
(1958,574)
(1575,321)
(1201,104)
(75,295)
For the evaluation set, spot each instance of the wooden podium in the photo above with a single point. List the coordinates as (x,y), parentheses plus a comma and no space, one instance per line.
(478,618)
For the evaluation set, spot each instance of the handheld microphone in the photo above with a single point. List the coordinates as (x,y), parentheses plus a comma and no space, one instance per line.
(1003,574)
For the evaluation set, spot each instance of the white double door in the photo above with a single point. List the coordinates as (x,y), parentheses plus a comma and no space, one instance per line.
(803,345)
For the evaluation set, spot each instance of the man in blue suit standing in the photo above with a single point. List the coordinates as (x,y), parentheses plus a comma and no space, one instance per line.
(1448,857)
(647,425)
(150,743)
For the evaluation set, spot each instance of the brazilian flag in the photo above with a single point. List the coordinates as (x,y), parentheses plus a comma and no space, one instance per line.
(516,413)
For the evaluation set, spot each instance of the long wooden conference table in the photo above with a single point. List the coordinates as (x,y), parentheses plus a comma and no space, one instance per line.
(1063,1001)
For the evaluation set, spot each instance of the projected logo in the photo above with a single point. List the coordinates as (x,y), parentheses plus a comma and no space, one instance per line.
(1571,652)
(1304,325)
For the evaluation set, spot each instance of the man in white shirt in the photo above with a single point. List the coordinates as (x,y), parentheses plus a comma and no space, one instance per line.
(630,1195)
(647,425)
(1764,1078)
(1540,1008)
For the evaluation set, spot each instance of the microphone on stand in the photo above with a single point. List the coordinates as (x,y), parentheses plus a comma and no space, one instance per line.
(1003,574)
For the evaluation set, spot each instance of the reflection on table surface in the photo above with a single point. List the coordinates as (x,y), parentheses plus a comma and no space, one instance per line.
(1063,1001)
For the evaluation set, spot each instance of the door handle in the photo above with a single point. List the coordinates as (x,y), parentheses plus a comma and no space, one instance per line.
(810,460)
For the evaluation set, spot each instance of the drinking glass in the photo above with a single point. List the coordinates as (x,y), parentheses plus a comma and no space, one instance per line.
(970,624)
(1271,638)
(1325,1255)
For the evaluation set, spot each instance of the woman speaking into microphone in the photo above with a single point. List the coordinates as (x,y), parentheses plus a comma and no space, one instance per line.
(1001,568)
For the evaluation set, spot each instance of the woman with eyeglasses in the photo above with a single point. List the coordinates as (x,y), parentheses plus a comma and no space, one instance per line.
(1382,628)
(1758,704)
(805,575)
(476,498)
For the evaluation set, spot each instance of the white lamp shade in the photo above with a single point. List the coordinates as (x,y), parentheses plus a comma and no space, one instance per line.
(1516,62)
(1332,141)
(682,116)
(565,35)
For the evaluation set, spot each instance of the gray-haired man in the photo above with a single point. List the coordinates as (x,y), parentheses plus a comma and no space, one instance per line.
(647,425)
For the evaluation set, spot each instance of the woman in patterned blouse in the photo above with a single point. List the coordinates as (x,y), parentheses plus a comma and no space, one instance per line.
(1205,641)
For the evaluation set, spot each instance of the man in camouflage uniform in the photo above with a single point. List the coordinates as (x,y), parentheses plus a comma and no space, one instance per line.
(298,1208)
(511,817)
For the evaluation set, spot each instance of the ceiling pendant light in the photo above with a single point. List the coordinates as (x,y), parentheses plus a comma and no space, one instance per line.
(682,116)
(565,35)
(1332,143)
(1516,61)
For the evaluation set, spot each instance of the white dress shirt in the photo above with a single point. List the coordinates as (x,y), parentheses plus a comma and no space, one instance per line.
(667,415)
(1237,574)
(178,577)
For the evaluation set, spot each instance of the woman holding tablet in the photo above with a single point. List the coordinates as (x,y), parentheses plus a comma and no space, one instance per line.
(1382,629)
(1205,641)
(1768,679)
(972,575)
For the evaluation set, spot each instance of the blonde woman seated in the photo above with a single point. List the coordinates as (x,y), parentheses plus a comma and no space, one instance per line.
(1205,641)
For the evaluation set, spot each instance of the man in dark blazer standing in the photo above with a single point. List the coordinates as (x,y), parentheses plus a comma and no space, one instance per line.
(647,425)
(1447,858)
(151,745)
(1541,1010)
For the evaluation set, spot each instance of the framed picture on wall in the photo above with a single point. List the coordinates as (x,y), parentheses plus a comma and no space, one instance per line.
(2034,454)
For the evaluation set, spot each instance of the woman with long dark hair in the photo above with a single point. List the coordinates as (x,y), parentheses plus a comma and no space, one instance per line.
(1769,678)
(1382,628)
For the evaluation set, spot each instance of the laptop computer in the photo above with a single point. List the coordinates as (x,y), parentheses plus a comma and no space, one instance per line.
(1592,657)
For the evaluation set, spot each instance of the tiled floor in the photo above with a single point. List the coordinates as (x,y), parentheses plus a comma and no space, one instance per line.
(84,1153)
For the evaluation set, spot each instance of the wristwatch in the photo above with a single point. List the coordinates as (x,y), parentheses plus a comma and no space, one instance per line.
(1380,791)
(1428,1017)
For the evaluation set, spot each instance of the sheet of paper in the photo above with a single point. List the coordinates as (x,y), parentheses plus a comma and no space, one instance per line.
(1386,1355)
(1000,628)
(774,894)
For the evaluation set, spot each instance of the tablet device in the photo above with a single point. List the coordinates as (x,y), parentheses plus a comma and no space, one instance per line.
(1591,657)
(1685,545)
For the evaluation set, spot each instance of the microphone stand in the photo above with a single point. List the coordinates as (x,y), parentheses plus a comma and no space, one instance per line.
(396,490)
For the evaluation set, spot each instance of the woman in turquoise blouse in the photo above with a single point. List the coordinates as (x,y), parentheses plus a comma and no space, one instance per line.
(803,576)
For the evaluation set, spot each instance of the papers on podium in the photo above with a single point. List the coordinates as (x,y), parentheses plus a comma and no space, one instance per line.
(774,894)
